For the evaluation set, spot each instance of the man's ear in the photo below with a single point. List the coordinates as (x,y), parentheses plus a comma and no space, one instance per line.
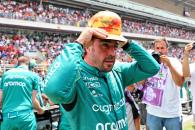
(32,64)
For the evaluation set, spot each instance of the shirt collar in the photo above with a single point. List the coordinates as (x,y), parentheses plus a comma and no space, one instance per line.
(23,67)
(93,70)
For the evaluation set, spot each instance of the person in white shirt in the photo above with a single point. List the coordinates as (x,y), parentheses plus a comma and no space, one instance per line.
(161,92)
(189,72)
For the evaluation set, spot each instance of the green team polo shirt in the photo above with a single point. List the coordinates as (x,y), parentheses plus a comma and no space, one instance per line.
(17,85)
(64,124)
(98,96)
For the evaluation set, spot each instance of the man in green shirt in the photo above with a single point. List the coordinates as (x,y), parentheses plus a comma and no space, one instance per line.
(18,97)
(63,123)
(89,84)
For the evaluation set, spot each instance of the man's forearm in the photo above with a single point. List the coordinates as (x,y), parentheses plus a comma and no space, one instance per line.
(143,57)
(185,65)
(1,92)
(177,77)
(36,105)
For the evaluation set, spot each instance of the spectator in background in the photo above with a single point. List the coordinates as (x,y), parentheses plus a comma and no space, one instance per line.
(85,79)
(142,106)
(132,110)
(18,97)
(161,92)
(32,65)
(189,72)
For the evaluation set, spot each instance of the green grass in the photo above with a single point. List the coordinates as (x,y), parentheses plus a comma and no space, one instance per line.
(188,125)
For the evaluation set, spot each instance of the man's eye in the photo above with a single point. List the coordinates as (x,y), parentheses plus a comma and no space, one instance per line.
(104,43)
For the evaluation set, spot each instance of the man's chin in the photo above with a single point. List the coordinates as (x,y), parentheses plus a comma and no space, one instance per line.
(108,69)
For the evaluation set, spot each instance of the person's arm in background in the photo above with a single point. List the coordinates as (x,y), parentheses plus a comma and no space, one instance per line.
(46,100)
(144,67)
(35,87)
(132,109)
(1,94)
(137,123)
(36,104)
(176,75)
(136,120)
(39,93)
(1,90)
(185,63)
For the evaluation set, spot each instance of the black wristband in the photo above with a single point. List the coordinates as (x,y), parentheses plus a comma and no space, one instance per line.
(127,45)
(79,43)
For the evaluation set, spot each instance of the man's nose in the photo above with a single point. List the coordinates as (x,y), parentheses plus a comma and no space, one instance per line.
(112,51)
(160,51)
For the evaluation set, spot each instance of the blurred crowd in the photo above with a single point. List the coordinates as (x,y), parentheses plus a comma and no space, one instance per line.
(45,12)
(44,47)
(174,51)
(48,45)
(14,45)
(34,11)
(157,30)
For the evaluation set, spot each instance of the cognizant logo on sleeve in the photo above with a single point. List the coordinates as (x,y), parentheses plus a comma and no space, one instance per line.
(52,70)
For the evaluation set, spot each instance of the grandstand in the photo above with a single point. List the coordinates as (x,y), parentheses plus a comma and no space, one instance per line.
(30,20)
(133,14)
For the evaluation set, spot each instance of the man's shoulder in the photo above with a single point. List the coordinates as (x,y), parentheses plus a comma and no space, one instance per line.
(117,66)
(19,71)
(11,71)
